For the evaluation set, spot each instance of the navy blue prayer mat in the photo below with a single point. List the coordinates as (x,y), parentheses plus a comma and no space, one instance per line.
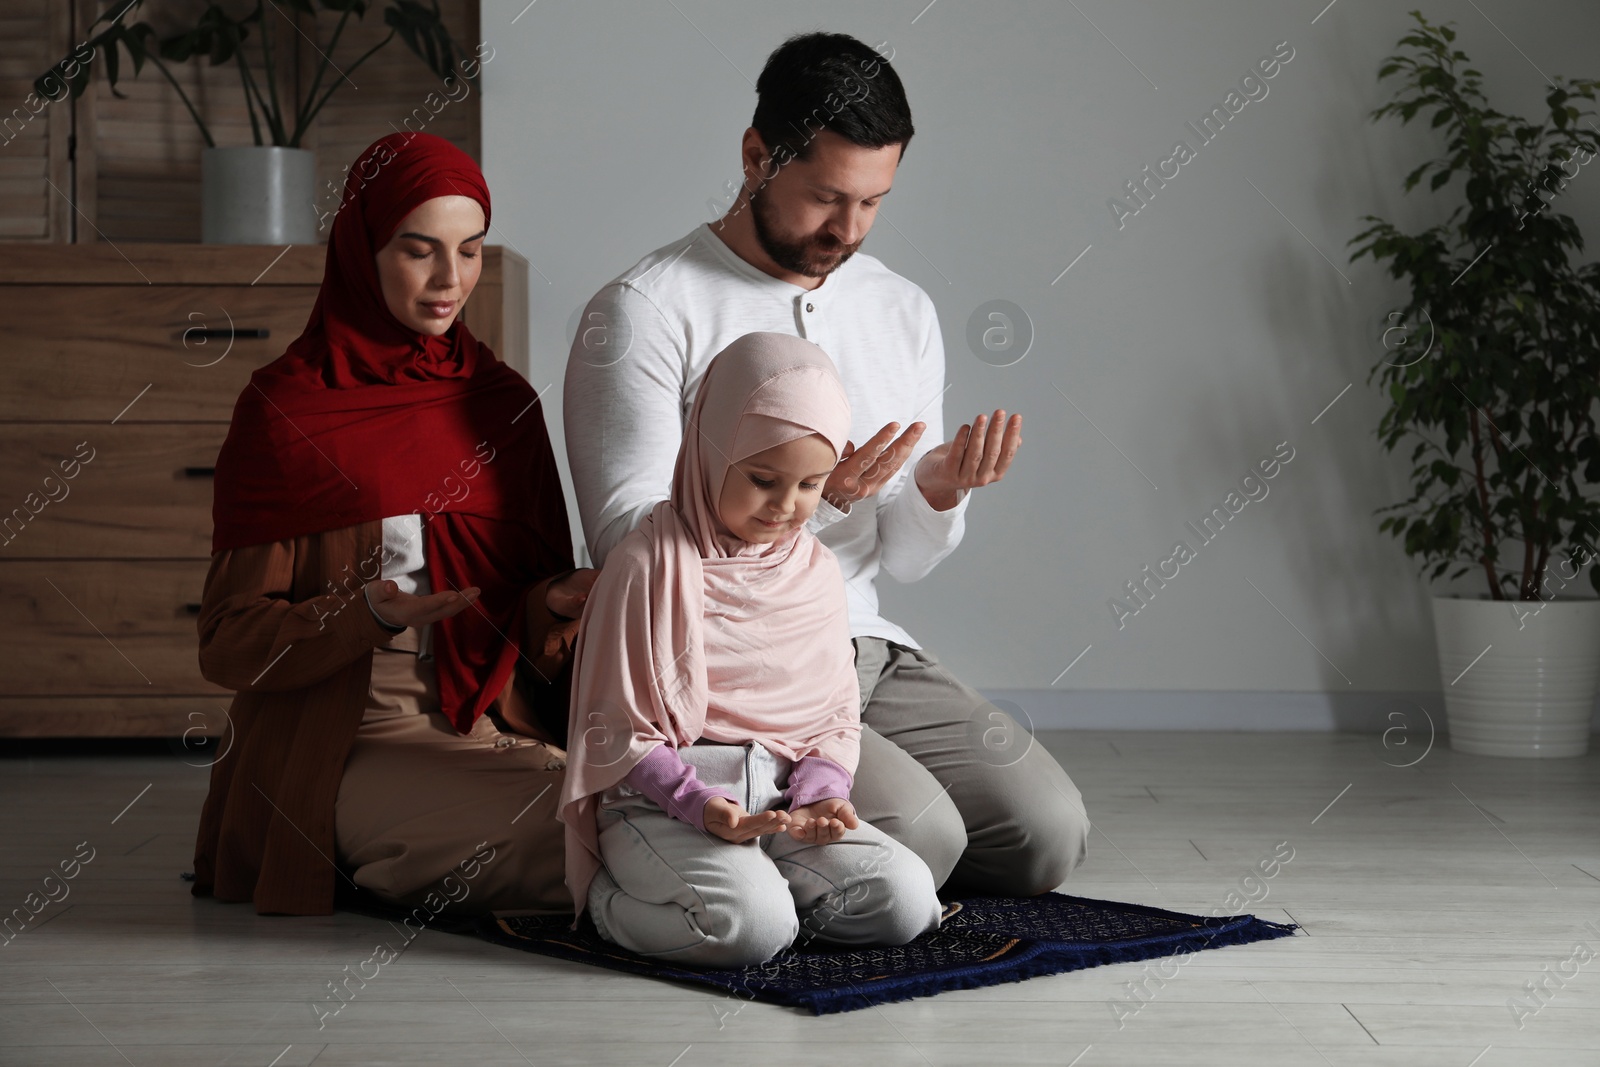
(981,941)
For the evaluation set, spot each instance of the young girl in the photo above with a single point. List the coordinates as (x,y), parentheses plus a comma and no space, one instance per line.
(715,719)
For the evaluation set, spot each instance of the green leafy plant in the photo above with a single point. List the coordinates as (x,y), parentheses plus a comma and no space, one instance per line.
(221,38)
(1502,403)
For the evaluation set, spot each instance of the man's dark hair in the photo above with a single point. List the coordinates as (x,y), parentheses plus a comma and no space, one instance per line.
(817,81)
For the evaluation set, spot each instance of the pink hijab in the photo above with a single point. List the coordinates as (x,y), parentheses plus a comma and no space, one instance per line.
(640,660)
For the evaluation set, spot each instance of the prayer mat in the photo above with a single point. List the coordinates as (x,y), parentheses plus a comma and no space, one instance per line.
(980,941)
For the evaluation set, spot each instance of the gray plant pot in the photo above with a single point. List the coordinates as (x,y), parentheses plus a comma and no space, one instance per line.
(1519,677)
(258,195)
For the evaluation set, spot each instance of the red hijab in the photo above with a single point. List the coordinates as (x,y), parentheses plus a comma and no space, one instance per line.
(364,418)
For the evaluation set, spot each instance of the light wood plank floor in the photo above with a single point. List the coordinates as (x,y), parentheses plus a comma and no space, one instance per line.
(1429,896)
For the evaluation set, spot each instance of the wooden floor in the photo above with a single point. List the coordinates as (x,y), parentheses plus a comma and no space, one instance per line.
(1428,895)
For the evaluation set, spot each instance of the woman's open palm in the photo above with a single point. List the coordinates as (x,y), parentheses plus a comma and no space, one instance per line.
(406,609)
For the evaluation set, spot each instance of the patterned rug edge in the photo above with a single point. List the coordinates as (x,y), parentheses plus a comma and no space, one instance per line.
(1043,959)
(1037,959)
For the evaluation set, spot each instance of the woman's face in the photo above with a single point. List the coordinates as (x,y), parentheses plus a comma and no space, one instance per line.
(767,495)
(430,265)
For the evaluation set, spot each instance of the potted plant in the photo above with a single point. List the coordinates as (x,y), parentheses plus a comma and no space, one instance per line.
(263,193)
(1494,372)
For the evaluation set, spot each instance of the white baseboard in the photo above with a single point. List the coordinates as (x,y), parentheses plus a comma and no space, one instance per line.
(1252,710)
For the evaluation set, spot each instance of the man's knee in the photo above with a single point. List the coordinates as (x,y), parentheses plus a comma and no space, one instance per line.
(937,834)
(1039,842)
(1053,838)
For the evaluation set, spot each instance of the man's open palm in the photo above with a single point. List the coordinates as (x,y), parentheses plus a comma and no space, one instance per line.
(979,455)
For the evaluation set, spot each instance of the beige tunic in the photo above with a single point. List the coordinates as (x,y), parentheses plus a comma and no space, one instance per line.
(286,626)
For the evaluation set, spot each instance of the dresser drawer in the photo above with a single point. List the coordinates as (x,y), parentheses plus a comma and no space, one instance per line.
(101,627)
(187,720)
(137,353)
(98,490)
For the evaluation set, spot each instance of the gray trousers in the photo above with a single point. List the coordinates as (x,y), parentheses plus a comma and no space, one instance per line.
(675,893)
(959,781)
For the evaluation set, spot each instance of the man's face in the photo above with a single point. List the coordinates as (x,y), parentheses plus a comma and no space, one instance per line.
(814,213)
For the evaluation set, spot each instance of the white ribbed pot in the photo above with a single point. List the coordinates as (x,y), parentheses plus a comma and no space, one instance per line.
(1532,693)
(258,195)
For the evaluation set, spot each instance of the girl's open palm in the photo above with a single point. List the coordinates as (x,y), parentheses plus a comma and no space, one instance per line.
(731,822)
(822,821)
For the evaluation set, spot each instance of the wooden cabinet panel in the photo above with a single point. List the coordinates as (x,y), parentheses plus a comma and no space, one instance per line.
(89,352)
(185,719)
(123,491)
(101,627)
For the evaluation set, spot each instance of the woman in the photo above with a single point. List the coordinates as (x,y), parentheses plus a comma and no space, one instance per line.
(391,592)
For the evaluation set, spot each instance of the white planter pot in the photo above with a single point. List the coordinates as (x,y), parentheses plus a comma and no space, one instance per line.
(258,195)
(1532,693)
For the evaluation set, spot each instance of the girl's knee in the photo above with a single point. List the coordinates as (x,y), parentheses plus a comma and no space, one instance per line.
(917,906)
(893,905)
(751,932)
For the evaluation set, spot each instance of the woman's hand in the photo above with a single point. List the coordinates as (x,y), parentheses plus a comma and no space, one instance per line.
(567,596)
(823,821)
(405,609)
(731,822)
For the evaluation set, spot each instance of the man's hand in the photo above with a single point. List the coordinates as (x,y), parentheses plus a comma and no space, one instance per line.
(731,822)
(823,821)
(861,472)
(980,454)
(405,609)
(566,597)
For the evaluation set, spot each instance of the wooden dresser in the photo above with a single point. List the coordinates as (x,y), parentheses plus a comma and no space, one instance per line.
(115,396)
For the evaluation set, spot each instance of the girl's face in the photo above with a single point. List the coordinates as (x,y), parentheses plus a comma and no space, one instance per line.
(767,495)
(431,264)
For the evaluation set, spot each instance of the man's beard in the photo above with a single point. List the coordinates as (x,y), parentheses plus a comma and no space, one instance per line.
(814,257)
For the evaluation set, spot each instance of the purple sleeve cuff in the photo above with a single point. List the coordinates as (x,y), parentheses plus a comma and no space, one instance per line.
(671,783)
(815,778)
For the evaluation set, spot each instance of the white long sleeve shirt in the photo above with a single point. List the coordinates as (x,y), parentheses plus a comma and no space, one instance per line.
(645,341)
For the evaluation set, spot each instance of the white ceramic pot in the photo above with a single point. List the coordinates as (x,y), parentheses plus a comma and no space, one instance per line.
(1532,693)
(258,195)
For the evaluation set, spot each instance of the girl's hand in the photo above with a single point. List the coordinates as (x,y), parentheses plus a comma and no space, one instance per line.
(861,472)
(731,822)
(567,596)
(405,609)
(823,821)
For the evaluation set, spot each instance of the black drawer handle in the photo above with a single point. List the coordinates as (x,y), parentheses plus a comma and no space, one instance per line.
(199,472)
(260,333)
(192,608)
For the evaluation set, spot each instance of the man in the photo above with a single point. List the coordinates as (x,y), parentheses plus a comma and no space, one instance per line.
(941,770)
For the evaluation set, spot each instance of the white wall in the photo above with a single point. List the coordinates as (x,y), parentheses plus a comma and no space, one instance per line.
(1197,337)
